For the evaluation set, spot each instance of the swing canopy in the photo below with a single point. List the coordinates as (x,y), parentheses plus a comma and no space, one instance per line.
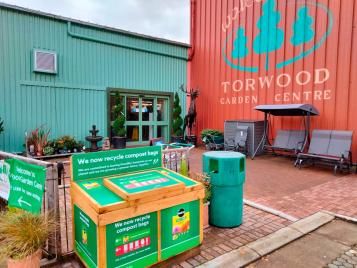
(288,109)
(294,141)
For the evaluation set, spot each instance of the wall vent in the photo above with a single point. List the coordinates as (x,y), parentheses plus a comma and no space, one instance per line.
(45,61)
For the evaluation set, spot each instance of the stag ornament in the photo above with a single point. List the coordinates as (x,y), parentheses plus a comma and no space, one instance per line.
(190,117)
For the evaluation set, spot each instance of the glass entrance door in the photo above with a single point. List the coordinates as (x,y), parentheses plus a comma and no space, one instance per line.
(147,117)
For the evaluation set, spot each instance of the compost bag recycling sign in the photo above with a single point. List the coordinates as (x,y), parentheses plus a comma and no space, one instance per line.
(27,184)
(109,163)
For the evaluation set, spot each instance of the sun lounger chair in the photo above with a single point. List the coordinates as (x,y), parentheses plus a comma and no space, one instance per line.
(288,141)
(331,147)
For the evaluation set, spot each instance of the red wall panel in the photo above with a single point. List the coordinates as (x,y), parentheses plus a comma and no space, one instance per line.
(323,74)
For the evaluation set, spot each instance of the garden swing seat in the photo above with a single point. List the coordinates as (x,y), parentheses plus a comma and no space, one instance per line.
(291,141)
(288,141)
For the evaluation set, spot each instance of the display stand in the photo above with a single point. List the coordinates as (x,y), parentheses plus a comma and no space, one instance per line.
(130,211)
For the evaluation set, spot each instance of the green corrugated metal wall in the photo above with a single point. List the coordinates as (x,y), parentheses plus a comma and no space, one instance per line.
(75,98)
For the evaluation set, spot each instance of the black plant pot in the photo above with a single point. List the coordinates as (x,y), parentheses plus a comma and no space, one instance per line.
(191,139)
(119,142)
(177,139)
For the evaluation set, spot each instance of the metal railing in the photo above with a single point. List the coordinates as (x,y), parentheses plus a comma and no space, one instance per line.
(172,155)
(65,208)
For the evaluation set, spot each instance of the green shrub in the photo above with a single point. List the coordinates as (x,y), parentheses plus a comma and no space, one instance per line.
(59,144)
(177,119)
(64,142)
(212,132)
(79,145)
(119,121)
(69,142)
(48,150)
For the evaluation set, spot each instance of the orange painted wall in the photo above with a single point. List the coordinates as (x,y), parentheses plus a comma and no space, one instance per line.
(326,77)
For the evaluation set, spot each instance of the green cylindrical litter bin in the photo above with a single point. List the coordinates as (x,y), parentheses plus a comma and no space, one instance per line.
(227,173)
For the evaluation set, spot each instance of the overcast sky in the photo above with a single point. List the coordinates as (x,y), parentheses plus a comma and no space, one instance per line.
(161,18)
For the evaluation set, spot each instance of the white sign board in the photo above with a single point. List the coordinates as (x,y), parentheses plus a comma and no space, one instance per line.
(4,179)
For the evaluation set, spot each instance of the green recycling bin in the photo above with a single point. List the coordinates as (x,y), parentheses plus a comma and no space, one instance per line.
(227,173)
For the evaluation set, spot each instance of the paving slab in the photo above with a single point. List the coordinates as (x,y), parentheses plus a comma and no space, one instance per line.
(274,241)
(320,248)
(312,222)
(237,258)
(340,231)
(271,242)
(310,251)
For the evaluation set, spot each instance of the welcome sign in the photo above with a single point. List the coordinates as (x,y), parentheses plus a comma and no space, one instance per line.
(27,185)
(269,38)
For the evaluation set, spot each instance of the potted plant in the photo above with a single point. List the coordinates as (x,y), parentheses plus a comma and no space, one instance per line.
(192,139)
(205,180)
(177,121)
(59,146)
(37,141)
(79,147)
(22,235)
(212,138)
(119,131)
(212,132)
(48,150)
(42,139)
(31,142)
(69,143)
(50,144)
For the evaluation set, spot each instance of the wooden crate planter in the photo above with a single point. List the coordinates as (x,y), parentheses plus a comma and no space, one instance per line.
(130,211)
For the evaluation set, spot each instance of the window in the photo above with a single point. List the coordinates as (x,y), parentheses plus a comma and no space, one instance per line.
(143,121)
(45,61)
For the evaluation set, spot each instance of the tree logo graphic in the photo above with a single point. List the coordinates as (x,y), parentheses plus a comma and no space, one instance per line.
(240,45)
(303,31)
(271,37)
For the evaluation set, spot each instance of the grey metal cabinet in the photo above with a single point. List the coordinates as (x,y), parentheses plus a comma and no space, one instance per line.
(255,133)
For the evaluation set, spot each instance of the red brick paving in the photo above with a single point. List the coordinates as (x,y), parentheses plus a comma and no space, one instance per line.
(275,182)
(218,241)
(338,196)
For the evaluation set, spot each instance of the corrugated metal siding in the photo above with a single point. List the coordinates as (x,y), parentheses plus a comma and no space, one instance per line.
(338,54)
(71,101)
